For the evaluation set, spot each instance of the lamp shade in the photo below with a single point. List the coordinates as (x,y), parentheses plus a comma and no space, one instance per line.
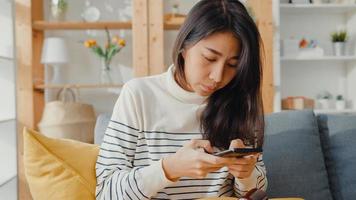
(54,51)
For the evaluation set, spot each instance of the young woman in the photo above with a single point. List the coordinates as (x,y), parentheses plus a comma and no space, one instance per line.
(164,128)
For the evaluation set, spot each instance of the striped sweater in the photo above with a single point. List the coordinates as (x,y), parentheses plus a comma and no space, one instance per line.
(153,118)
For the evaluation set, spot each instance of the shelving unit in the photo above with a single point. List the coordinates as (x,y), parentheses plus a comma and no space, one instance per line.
(147,27)
(300,76)
(44,25)
(333,111)
(324,58)
(311,8)
(41,87)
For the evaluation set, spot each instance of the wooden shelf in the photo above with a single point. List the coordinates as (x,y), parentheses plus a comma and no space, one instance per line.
(44,25)
(318,8)
(334,111)
(324,58)
(79,86)
(172,26)
(173,21)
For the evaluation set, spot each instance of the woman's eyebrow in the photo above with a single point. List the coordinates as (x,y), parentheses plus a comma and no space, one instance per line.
(218,53)
(214,51)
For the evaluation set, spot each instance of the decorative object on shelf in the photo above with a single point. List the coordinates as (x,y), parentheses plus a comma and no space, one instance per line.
(340,103)
(309,49)
(69,119)
(324,100)
(175,8)
(338,39)
(297,103)
(112,47)
(90,13)
(303,48)
(59,9)
(54,55)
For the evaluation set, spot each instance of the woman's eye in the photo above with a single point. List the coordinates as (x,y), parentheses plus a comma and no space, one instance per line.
(209,59)
(232,65)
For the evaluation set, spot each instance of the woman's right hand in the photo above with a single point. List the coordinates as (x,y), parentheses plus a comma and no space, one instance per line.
(192,161)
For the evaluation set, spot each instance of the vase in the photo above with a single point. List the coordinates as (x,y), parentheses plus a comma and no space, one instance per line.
(340,104)
(59,9)
(339,48)
(107,75)
(323,104)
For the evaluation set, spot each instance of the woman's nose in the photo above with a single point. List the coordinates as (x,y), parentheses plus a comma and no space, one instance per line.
(217,73)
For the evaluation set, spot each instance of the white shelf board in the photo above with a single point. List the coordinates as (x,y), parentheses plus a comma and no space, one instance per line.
(324,58)
(333,111)
(318,8)
(6,57)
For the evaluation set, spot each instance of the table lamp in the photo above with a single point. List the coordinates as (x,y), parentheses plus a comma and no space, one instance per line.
(54,54)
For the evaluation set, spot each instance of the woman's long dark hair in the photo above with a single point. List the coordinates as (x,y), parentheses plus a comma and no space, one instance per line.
(235,111)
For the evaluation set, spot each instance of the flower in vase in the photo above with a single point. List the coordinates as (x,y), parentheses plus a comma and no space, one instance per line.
(107,52)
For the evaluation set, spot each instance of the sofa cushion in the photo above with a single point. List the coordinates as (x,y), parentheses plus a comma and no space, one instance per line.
(338,134)
(293,156)
(59,168)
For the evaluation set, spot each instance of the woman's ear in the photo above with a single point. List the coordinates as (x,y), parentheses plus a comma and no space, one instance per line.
(183,53)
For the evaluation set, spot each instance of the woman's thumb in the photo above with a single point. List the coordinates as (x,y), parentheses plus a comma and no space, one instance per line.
(237,143)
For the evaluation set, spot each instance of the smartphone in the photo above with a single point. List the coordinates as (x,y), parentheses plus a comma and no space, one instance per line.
(238,152)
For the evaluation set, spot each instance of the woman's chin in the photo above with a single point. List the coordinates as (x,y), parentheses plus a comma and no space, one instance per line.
(203,93)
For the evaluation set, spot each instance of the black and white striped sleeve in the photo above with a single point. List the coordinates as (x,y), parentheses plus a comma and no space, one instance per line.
(257,180)
(117,178)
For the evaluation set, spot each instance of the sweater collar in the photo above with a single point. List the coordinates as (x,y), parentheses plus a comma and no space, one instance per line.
(181,94)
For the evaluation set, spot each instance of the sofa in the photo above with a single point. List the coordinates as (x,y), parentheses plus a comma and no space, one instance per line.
(306,155)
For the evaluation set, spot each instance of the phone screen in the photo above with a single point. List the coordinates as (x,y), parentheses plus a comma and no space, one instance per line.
(238,152)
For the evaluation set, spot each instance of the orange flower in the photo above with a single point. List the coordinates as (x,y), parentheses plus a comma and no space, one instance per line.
(90,43)
(115,39)
(121,42)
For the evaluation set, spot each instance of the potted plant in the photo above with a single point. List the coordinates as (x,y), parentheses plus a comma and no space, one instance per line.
(340,103)
(106,53)
(323,100)
(339,42)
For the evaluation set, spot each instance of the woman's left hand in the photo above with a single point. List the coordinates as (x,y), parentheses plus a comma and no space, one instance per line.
(244,166)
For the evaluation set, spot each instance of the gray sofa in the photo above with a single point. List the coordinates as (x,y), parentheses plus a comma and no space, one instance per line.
(308,156)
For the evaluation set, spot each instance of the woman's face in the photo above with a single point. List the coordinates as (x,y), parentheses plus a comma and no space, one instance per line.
(211,63)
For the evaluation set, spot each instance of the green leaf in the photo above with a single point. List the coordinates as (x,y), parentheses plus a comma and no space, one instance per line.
(112,51)
(97,50)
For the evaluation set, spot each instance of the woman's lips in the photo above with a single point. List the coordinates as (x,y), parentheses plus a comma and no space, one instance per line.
(207,88)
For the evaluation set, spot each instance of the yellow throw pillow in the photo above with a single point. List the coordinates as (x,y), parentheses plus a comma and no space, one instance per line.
(59,168)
